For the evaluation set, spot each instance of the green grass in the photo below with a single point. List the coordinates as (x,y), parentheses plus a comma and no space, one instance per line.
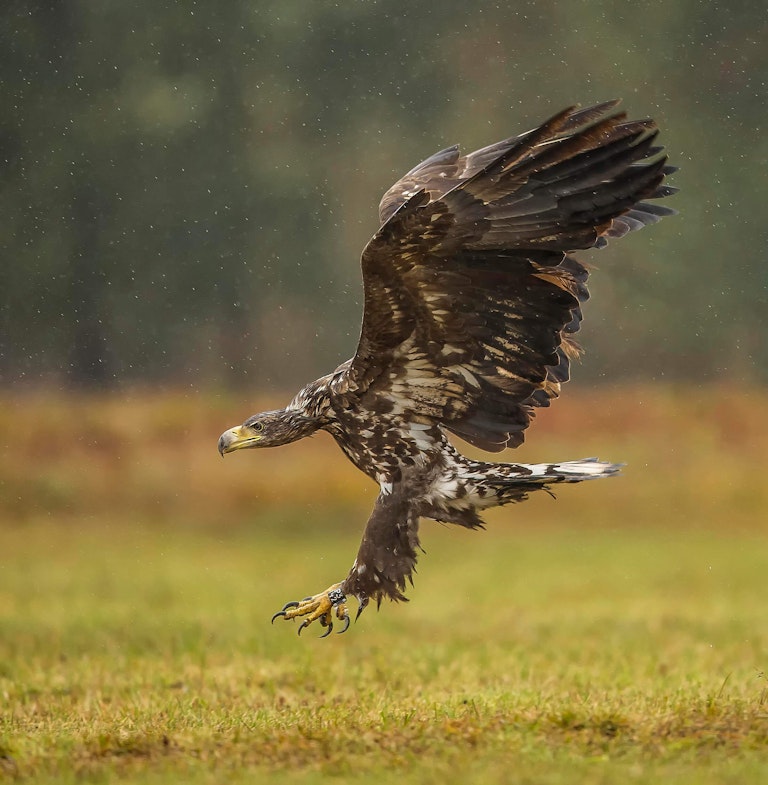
(549,655)
(616,635)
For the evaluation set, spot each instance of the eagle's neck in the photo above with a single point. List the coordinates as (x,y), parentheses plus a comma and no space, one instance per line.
(296,424)
(313,401)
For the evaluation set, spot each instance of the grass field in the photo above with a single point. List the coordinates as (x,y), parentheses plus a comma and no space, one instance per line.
(617,634)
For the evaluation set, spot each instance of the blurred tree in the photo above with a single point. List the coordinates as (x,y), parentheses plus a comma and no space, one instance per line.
(187,187)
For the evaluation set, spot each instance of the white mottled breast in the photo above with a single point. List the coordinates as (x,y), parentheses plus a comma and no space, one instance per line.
(383,445)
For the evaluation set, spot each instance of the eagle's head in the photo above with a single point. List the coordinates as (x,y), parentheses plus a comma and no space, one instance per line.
(268,429)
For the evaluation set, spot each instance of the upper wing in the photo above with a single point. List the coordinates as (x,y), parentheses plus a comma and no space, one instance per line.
(470,298)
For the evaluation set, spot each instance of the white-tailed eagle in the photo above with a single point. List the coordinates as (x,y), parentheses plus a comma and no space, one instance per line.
(471,302)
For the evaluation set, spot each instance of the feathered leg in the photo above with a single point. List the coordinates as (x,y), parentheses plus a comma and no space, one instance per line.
(385,561)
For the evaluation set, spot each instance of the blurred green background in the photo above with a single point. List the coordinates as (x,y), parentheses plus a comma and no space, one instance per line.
(187,186)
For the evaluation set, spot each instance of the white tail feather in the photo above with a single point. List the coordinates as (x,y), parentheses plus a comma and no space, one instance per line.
(573,471)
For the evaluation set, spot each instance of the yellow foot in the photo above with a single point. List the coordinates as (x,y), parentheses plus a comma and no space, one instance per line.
(320,607)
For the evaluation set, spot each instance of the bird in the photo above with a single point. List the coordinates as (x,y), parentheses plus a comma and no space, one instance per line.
(472,298)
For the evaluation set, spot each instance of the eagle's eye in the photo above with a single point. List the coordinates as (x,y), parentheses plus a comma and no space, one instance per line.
(258,426)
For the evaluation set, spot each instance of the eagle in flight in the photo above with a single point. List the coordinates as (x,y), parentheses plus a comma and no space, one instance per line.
(472,300)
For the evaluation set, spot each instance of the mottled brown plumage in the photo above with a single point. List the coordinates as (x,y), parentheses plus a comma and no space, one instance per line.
(471,303)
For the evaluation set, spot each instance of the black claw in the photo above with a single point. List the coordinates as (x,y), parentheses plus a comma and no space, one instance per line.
(361,608)
(292,604)
(304,624)
(306,599)
(329,630)
(345,619)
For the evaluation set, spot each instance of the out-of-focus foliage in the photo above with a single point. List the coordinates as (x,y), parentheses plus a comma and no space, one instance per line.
(187,186)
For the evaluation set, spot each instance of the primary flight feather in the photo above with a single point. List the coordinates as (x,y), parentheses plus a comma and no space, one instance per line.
(471,304)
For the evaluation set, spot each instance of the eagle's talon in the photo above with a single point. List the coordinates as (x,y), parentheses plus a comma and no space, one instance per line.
(361,607)
(320,608)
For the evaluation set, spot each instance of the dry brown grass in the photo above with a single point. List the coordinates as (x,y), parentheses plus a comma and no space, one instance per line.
(149,453)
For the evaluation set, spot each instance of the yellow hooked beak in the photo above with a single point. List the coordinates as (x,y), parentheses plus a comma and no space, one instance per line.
(237,438)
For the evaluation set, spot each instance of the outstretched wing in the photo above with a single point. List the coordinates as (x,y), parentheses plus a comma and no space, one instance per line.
(471,300)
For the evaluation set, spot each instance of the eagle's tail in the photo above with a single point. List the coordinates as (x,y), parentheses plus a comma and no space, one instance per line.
(503,483)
